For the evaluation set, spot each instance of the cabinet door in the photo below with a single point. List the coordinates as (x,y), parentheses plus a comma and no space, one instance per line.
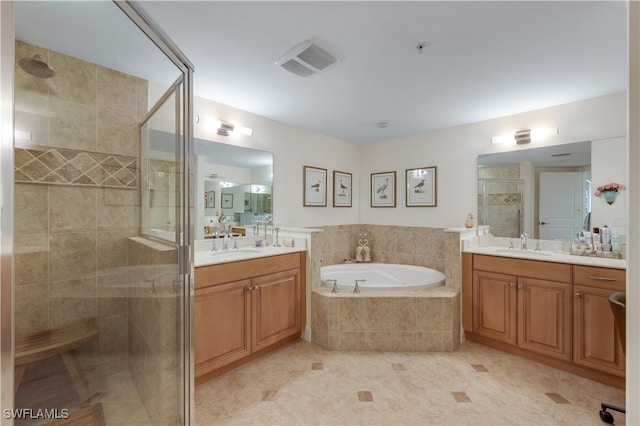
(221,325)
(544,317)
(596,342)
(494,306)
(276,307)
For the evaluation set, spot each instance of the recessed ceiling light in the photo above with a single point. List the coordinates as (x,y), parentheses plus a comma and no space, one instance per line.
(422,46)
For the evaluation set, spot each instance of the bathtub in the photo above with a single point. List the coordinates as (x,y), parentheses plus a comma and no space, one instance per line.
(381,276)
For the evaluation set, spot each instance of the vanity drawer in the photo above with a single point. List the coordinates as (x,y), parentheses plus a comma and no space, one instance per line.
(552,271)
(222,273)
(609,278)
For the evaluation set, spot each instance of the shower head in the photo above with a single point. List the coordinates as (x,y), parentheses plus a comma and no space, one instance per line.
(36,67)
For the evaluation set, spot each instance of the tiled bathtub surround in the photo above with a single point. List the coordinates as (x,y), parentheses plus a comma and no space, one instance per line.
(410,321)
(413,321)
(430,247)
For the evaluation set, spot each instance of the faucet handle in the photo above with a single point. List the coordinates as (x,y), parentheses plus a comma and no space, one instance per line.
(537,246)
(511,245)
(335,286)
(524,235)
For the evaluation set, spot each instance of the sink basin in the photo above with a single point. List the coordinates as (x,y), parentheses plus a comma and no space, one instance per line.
(523,252)
(233,253)
(207,257)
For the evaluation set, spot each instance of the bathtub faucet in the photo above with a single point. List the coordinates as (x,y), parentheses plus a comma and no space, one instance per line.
(335,286)
(356,289)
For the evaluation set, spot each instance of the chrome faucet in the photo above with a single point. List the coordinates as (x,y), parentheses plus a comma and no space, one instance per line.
(267,222)
(335,286)
(225,243)
(215,237)
(356,289)
(523,240)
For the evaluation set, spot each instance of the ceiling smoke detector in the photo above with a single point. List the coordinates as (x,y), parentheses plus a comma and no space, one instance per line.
(422,46)
(305,59)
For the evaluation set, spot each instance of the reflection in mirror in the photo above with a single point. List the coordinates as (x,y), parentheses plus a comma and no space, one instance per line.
(237,182)
(545,192)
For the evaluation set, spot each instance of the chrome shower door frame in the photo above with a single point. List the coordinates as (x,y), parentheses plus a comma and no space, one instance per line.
(185,225)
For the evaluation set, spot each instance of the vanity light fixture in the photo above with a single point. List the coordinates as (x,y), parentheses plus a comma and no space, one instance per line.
(225,128)
(526,136)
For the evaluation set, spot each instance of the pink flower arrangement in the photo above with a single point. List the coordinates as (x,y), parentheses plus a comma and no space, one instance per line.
(610,187)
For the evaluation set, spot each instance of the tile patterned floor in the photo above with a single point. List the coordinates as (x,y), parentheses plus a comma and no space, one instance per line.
(303,384)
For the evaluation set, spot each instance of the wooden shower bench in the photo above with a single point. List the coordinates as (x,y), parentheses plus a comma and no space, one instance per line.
(61,341)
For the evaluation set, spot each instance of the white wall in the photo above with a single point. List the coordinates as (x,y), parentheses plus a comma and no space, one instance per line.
(292,149)
(453,151)
(633,213)
(611,166)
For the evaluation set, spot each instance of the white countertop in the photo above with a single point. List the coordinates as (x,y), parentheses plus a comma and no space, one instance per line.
(549,256)
(203,258)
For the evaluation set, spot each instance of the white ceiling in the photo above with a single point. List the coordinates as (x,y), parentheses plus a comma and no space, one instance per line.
(484,60)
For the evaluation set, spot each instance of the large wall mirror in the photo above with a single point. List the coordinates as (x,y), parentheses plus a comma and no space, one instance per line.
(545,192)
(235,181)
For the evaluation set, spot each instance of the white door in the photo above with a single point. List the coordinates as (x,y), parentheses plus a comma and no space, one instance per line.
(560,212)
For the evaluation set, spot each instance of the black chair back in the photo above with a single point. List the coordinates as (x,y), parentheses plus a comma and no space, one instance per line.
(618,304)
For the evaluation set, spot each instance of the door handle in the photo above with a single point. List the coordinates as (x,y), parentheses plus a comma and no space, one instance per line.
(543,223)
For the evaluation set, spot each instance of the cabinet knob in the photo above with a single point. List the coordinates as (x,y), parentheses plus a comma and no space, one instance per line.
(578,295)
(512,285)
(520,286)
(251,288)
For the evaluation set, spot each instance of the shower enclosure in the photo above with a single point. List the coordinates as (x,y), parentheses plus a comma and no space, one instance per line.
(500,205)
(93,83)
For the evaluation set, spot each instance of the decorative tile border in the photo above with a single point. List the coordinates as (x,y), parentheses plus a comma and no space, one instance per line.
(62,166)
(501,199)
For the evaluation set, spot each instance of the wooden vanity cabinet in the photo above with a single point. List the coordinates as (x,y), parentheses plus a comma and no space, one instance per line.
(276,304)
(550,312)
(246,308)
(522,303)
(595,341)
(222,318)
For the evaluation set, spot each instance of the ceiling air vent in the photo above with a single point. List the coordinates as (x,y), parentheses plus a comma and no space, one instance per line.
(305,59)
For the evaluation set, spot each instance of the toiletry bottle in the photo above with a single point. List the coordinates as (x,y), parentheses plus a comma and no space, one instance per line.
(596,239)
(606,238)
(616,243)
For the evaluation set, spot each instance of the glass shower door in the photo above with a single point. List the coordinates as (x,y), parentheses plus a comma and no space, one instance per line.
(500,206)
(84,253)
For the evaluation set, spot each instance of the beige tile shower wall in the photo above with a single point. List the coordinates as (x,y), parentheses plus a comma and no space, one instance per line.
(153,325)
(429,247)
(71,245)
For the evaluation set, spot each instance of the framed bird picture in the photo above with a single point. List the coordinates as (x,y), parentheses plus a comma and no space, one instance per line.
(421,187)
(341,189)
(314,181)
(383,189)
